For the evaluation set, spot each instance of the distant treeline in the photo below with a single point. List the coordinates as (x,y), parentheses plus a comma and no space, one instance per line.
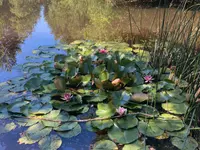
(157,2)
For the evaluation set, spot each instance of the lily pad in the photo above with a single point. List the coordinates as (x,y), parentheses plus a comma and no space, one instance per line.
(181,134)
(185,144)
(71,133)
(102,124)
(105,110)
(137,145)
(7,128)
(169,122)
(175,108)
(123,136)
(105,145)
(52,142)
(34,134)
(127,122)
(150,129)
(33,84)
(120,98)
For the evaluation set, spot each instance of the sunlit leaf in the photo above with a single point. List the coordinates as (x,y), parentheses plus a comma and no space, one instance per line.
(52,142)
(123,136)
(105,144)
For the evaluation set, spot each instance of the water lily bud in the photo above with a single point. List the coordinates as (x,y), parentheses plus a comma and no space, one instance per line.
(148,79)
(67,97)
(103,51)
(116,82)
(81,59)
(121,111)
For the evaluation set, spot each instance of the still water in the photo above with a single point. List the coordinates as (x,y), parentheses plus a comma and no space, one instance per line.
(27,24)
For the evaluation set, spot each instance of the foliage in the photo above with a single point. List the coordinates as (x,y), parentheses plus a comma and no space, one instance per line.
(106,75)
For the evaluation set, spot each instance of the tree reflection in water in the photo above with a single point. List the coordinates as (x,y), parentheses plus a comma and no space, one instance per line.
(17,19)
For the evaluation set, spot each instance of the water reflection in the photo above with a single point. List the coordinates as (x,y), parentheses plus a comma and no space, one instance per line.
(17,20)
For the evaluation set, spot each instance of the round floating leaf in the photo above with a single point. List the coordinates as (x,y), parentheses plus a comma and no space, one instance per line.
(86,79)
(90,128)
(140,97)
(103,76)
(150,129)
(47,76)
(185,144)
(71,133)
(105,110)
(181,134)
(175,108)
(67,126)
(18,88)
(52,142)
(34,134)
(26,122)
(7,128)
(162,97)
(120,97)
(54,118)
(48,88)
(150,110)
(105,145)
(101,96)
(137,145)
(127,122)
(16,106)
(38,108)
(102,124)
(123,136)
(33,84)
(169,122)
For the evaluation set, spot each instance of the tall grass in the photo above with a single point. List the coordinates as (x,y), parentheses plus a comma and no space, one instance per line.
(177,45)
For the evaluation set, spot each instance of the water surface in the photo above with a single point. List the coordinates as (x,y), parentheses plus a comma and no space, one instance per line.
(27,24)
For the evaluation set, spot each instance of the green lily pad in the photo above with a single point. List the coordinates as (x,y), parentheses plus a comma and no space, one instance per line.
(150,129)
(169,122)
(33,84)
(7,128)
(120,98)
(150,110)
(17,106)
(105,145)
(54,118)
(34,133)
(175,108)
(38,108)
(104,76)
(68,125)
(86,79)
(181,134)
(185,144)
(102,124)
(127,122)
(71,133)
(137,145)
(90,128)
(52,142)
(105,110)
(123,136)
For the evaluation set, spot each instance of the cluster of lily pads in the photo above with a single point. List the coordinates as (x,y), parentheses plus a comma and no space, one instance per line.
(128,99)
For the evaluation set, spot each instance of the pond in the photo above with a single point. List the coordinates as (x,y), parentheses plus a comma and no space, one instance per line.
(26,25)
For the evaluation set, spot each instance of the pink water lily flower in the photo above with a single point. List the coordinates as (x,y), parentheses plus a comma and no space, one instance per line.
(121,111)
(67,97)
(103,51)
(148,79)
